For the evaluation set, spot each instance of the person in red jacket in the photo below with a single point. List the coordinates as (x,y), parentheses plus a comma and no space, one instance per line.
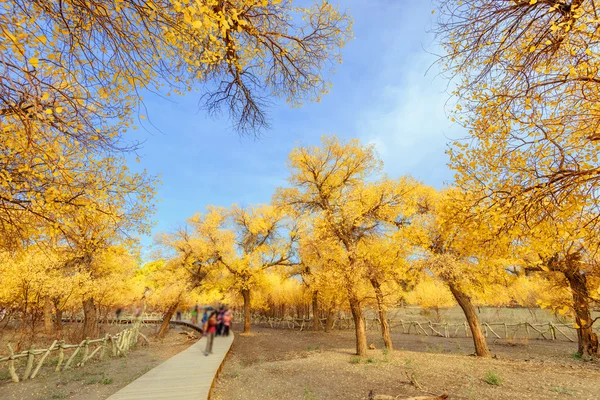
(226,322)
(210,328)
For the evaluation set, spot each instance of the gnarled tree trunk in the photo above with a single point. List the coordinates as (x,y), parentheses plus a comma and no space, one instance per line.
(315,309)
(359,325)
(164,326)
(246,296)
(90,319)
(587,339)
(47,315)
(58,320)
(385,326)
(329,321)
(481,347)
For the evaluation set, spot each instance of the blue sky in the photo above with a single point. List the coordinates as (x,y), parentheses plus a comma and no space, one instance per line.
(381,94)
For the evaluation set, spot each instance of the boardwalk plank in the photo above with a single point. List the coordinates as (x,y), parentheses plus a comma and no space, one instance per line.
(185,376)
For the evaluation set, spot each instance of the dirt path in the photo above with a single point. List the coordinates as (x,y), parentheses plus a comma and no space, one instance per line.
(98,379)
(273,364)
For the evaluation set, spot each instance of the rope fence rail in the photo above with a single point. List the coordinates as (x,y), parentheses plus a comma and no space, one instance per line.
(499,330)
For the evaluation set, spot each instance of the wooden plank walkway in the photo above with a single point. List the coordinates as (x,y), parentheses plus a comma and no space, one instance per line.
(188,375)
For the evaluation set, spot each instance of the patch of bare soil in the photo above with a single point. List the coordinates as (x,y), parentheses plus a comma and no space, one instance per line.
(97,379)
(284,364)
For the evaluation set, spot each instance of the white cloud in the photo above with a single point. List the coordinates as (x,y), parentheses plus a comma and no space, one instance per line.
(409,125)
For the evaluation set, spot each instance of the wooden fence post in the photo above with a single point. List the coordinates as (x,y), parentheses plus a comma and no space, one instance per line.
(61,355)
(118,344)
(29,367)
(113,346)
(505,331)
(43,359)
(70,360)
(122,340)
(125,342)
(104,344)
(552,331)
(97,349)
(11,364)
(86,352)
(564,334)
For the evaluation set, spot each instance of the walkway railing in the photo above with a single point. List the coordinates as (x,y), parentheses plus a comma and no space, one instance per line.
(118,345)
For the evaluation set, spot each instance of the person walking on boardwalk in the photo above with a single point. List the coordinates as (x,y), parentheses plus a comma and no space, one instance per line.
(118,313)
(205,316)
(226,322)
(220,324)
(210,328)
(195,315)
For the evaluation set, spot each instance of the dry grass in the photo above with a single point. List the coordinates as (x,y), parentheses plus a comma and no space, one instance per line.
(278,364)
(97,379)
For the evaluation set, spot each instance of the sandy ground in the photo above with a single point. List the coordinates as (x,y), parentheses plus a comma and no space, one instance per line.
(97,379)
(285,364)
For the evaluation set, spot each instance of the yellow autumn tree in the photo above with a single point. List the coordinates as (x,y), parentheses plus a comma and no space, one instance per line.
(42,283)
(340,187)
(73,73)
(88,235)
(279,295)
(526,85)
(459,246)
(192,267)
(386,255)
(320,277)
(98,57)
(111,283)
(431,294)
(32,282)
(564,251)
(386,269)
(526,88)
(47,185)
(244,243)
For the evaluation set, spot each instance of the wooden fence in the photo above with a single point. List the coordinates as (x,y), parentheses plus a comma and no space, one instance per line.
(117,345)
(498,330)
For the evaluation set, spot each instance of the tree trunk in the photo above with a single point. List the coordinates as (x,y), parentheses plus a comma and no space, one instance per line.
(385,326)
(587,339)
(164,326)
(481,347)
(359,326)
(315,309)
(58,320)
(90,319)
(47,315)
(329,321)
(246,296)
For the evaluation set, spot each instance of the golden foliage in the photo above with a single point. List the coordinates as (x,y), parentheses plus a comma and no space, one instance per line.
(430,293)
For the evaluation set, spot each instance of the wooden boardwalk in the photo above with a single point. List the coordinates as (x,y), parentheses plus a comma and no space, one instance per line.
(185,376)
